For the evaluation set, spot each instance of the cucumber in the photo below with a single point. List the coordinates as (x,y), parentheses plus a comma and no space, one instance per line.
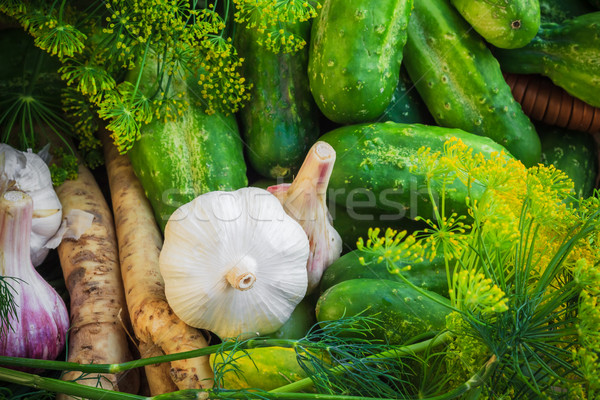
(566,52)
(560,10)
(402,311)
(507,24)
(574,153)
(299,323)
(354,222)
(461,82)
(355,56)
(181,158)
(406,104)
(262,368)
(427,274)
(280,122)
(373,174)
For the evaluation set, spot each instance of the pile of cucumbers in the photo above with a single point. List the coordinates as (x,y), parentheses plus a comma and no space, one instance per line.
(378,80)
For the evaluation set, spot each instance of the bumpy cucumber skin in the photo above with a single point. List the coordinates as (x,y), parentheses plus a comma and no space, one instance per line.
(507,24)
(565,52)
(180,159)
(355,56)
(280,122)
(574,153)
(427,274)
(372,167)
(560,10)
(461,82)
(403,312)
(406,105)
(264,368)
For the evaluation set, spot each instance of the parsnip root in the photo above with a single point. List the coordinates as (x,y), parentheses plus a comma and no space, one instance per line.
(140,241)
(93,278)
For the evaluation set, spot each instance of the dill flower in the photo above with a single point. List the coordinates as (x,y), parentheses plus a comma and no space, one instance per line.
(392,247)
(473,292)
(448,233)
(83,117)
(89,80)
(280,40)
(547,190)
(60,39)
(222,88)
(275,20)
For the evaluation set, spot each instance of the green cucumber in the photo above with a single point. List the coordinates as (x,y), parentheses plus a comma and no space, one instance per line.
(406,104)
(427,274)
(263,368)
(574,153)
(355,56)
(402,312)
(507,24)
(461,82)
(181,158)
(354,222)
(372,172)
(299,323)
(280,121)
(566,52)
(560,10)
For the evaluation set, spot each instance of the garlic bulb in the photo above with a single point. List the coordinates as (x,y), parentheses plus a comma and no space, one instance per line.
(234,263)
(305,201)
(32,176)
(40,320)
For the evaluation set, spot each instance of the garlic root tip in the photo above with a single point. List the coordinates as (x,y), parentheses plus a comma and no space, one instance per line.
(240,279)
(323,150)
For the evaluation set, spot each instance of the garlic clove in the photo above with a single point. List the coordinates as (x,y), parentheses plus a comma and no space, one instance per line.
(41,320)
(32,176)
(234,263)
(305,200)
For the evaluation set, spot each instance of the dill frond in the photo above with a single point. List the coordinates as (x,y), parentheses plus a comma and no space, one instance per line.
(8,307)
(523,281)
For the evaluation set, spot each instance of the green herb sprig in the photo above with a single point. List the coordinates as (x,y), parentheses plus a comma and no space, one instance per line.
(102,47)
(523,276)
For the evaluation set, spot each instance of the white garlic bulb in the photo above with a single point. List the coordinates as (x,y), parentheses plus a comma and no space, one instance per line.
(32,176)
(234,263)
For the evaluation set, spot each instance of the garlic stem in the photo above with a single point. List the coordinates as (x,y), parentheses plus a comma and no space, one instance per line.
(241,276)
(15,220)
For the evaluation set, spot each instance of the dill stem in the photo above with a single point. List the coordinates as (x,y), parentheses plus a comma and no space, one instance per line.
(139,77)
(93,393)
(116,368)
(399,351)
(58,386)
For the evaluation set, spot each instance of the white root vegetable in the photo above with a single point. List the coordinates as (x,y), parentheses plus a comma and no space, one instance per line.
(154,324)
(93,278)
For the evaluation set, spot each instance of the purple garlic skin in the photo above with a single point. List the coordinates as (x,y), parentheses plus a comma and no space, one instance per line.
(305,200)
(40,322)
